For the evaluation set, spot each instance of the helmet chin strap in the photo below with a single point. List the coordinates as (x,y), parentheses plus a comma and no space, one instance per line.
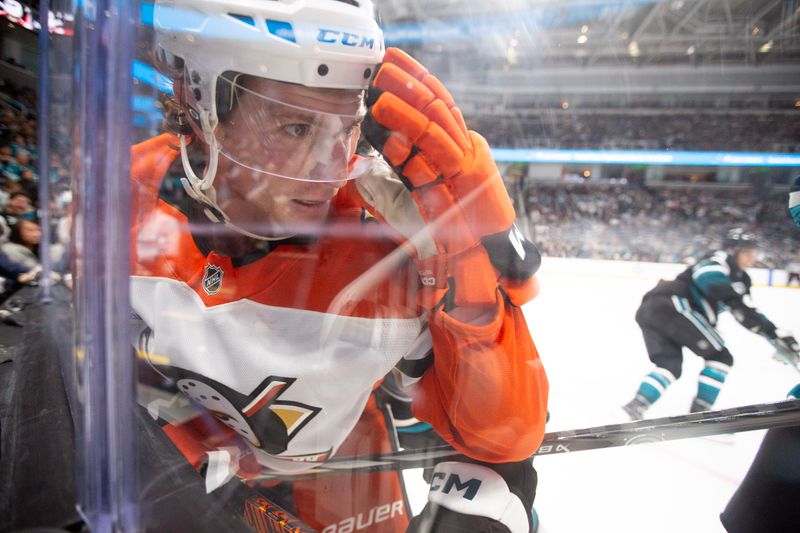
(202,189)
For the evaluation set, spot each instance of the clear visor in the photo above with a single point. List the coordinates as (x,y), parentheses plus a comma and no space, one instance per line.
(290,131)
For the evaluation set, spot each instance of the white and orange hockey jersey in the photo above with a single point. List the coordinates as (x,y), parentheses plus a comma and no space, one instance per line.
(285,346)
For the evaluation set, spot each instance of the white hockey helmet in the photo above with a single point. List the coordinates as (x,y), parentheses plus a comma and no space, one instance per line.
(317,43)
(333,44)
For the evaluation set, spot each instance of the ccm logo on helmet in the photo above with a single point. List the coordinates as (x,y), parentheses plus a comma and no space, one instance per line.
(345,38)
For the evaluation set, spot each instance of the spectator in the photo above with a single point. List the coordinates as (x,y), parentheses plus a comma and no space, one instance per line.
(19,203)
(23,243)
(22,150)
(20,172)
(17,164)
(631,222)
(29,183)
(13,275)
(6,155)
(646,129)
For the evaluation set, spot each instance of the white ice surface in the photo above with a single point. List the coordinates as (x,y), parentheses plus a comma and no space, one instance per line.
(583,324)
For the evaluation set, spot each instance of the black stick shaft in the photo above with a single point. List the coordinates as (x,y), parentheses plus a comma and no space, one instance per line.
(738,419)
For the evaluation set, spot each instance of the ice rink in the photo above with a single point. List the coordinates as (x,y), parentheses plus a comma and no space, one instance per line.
(583,324)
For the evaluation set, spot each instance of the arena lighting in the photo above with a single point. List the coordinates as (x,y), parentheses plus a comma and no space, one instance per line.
(146,74)
(645,157)
(463,29)
(543,16)
(470,28)
(25,16)
(511,52)
(511,55)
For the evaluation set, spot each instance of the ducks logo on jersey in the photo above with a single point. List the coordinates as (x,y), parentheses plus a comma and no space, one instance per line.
(260,417)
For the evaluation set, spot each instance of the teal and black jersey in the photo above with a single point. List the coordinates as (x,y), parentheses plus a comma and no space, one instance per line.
(794,201)
(716,284)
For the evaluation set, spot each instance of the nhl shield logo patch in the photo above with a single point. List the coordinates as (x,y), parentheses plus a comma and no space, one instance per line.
(212,279)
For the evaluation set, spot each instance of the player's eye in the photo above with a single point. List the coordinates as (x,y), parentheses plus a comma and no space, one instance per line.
(298,130)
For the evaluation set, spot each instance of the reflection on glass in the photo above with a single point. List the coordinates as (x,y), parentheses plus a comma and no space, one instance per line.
(319,272)
(299,295)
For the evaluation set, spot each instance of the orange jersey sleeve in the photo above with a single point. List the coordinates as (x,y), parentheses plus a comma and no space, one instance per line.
(149,163)
(486,392)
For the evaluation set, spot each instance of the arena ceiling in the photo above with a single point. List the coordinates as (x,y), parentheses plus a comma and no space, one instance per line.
(544,49)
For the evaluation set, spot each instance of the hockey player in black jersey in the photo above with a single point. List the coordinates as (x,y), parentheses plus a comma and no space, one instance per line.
(794,201)
(683,312)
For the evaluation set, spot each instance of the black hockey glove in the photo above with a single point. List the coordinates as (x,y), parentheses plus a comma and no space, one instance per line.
(789,343)
(753,320)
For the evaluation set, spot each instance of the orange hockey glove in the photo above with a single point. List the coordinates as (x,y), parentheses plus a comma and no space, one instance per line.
(453,180)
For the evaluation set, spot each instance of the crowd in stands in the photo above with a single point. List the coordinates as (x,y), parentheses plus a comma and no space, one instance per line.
(630,221)
(20,231)
(694,131)
(620,221)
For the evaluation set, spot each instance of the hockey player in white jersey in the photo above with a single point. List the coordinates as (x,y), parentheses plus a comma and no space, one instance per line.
(294,274)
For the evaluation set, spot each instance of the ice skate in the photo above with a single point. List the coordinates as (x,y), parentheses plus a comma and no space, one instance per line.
(636,408)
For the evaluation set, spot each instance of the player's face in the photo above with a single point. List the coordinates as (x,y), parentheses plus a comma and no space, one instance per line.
(285,151)
(747,258)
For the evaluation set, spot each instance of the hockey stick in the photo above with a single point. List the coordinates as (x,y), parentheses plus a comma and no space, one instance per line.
(734,420)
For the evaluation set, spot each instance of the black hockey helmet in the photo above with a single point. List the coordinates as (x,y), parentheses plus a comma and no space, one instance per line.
(739,239)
